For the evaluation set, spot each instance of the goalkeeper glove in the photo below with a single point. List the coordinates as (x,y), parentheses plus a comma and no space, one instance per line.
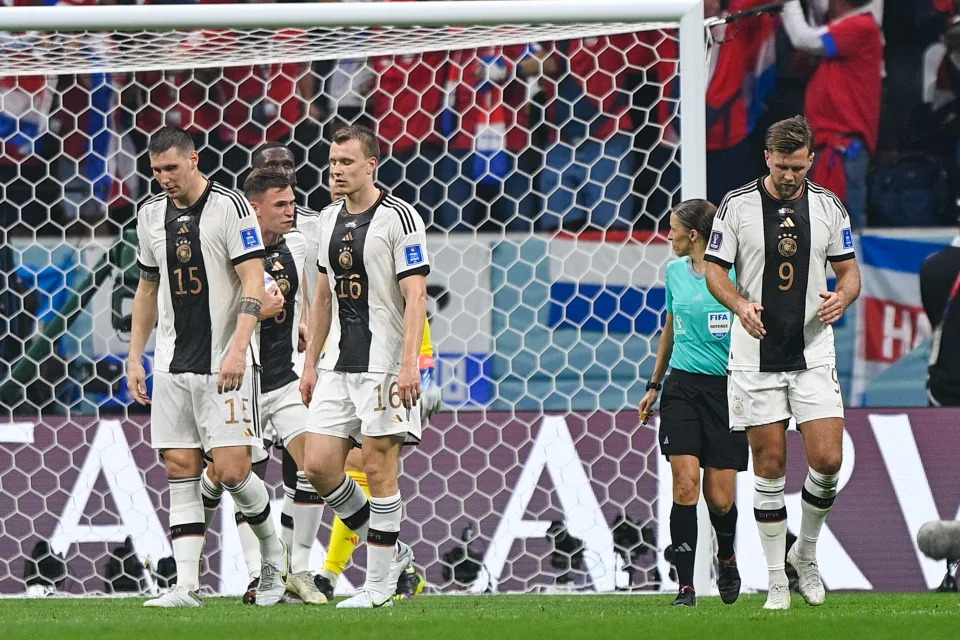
(430,397)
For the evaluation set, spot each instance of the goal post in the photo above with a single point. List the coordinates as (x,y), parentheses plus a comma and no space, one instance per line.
(540,327)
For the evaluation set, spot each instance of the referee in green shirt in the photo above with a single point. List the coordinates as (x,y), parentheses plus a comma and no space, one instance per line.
(694,422)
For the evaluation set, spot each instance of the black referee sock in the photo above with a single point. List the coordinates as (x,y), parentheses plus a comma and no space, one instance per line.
(683,531)
(726,528)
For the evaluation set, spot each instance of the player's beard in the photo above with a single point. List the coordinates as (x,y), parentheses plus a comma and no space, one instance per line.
(786,191)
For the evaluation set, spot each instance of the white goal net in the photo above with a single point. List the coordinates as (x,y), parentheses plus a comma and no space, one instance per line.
(540,141)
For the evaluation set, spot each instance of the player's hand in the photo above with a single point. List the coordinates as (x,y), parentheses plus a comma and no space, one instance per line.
(308,382)
(645,407)
(137,382)
(409,385)
(749,314)
(272,303)
(832,308)
(231,372)
(432,398)
(302,333)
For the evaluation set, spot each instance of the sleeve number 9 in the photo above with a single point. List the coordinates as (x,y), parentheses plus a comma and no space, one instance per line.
(786,274)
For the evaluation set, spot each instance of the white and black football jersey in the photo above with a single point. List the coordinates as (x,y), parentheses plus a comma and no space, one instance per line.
(780,249)
(195,251)
(364,257)
(279,335)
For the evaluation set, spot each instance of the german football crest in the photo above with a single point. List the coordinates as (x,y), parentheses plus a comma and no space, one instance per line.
(346,258)
(284,285)
(787,246)
(184,252)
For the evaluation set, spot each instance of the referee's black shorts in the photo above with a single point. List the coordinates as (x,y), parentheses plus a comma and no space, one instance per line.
(694,421)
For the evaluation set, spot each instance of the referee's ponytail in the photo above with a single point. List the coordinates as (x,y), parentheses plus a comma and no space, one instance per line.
(696,215)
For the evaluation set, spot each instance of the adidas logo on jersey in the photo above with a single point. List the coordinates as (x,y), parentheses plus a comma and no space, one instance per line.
(276,267)
(683,548)
(397,419)
(666,440)
(348,237)
(788,223)
(183,229)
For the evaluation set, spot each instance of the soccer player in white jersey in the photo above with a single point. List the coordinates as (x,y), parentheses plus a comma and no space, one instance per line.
(201,283)
(780,231)
(366,327)
(271,196)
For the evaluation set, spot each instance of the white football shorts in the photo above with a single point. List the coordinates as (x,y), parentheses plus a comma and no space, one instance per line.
(354,405)
(187,412)
(757,398)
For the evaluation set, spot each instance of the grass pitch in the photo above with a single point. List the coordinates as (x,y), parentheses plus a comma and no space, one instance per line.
(844,616)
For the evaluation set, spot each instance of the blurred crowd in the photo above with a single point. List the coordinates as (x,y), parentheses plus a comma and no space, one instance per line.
(574,134)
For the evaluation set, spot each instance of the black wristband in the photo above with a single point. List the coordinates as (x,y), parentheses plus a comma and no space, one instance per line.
(654,386)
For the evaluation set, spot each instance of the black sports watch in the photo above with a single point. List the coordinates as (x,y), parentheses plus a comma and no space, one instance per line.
(656,386)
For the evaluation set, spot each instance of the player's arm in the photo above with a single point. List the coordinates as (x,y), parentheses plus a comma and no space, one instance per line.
(318,327)
(143,321)
(664,352)
(848,290)
(720,255)
(302,326)
(245,248)
(802,34)
(234,364)
(414,288)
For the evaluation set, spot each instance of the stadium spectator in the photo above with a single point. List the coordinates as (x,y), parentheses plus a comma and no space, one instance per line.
(939,290)
(738,83)
(487,124)
(590,164)
(29,195)
(843,97)
(405,103)
(263,103)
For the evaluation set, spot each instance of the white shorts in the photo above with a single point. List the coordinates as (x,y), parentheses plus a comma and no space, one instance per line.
(282,412)
(354,405)
(187,412)
(757,398)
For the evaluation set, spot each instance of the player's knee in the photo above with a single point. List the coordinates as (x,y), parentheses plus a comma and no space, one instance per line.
(718,502)
(686,489)
(322,478)
(233,475)
(769,466)
(828,464)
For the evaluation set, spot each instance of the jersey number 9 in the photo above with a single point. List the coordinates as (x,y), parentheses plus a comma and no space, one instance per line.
(786,274)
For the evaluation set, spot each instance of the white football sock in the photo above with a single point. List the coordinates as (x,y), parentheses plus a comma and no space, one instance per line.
(770,511)
(819,492)
(307,511)
(211,494)
(350,504)
(385,515)
(253,502)
(187,529)
(249,544)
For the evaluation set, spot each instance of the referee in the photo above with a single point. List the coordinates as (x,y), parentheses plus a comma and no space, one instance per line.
(694,424)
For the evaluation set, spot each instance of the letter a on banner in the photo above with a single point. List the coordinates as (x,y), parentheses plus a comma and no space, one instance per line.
(111,454)
(554,451)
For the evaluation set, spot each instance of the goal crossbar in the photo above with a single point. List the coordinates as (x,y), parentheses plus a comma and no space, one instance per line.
(310,15)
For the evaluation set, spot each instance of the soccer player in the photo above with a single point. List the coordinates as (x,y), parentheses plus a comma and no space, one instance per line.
(366,327)
(201,283)
(343,541)
(694,424)
(272,198)
(780,232)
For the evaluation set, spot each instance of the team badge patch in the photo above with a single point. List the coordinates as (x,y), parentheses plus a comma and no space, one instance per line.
(787,246)
(250,238)
(414,254)
(716,240)
(719,324)
(847,239)
(184,253)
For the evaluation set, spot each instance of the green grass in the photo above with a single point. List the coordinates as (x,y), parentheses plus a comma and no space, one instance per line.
(846,616)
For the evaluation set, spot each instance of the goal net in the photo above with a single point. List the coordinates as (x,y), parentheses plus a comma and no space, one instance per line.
(541,142)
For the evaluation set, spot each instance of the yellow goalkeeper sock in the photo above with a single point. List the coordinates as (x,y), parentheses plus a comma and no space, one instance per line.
(342,540)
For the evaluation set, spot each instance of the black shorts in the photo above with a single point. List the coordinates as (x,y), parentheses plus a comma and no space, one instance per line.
(694,421)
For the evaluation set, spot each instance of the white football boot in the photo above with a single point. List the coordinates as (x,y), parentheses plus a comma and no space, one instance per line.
(176,597)
(808,574)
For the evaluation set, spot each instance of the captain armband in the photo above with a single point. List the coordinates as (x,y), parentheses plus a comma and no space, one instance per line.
(250,306)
